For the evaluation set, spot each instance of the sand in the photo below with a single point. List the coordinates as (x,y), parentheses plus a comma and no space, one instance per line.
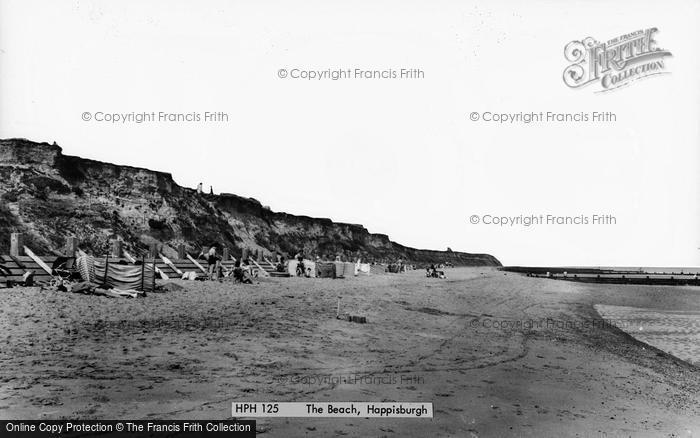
(498,355)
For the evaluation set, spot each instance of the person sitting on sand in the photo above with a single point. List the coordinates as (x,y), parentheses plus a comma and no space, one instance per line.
(241,274)
(223,271)
(249,266)
(28,278)
(280,263)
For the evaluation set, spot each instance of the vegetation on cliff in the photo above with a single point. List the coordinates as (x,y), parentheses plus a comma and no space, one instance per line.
(50,196)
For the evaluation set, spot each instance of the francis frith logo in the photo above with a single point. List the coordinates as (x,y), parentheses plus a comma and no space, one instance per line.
(616,62)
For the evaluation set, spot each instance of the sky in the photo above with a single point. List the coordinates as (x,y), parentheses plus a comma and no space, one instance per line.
(400,156)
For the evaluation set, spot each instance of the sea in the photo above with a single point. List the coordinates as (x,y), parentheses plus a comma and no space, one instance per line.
(655,269)
(649,269)
(676,332)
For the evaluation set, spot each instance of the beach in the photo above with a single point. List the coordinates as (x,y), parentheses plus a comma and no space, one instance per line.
(498,354)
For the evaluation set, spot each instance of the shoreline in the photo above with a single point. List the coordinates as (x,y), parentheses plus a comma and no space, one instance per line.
(644,328)
(189,353)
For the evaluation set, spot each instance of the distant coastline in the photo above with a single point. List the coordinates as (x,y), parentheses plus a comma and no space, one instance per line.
(666,276)
(670,270)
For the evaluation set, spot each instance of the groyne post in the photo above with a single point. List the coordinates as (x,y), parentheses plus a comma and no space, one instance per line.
(116,248)
(16,244)
(71,246)
(153,250)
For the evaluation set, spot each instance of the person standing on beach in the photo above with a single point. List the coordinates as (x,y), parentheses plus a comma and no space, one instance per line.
(301,271)
(213,261)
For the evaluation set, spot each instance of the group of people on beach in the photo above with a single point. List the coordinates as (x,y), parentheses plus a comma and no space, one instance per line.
(245,269)
(433,271)
(242,269)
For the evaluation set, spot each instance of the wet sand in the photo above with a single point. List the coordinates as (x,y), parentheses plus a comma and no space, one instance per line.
(676,332)
(499,354)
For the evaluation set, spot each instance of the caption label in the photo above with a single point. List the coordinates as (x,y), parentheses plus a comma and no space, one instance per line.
(332,409)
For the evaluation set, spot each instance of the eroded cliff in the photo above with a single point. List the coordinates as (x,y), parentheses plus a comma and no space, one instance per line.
(49,196)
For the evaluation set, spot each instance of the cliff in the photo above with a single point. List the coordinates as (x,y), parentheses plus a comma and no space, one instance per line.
(50,196)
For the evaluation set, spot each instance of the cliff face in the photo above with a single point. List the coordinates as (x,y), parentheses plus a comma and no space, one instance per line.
(50,196)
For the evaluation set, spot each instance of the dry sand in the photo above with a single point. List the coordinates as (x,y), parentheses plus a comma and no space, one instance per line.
(188,354)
